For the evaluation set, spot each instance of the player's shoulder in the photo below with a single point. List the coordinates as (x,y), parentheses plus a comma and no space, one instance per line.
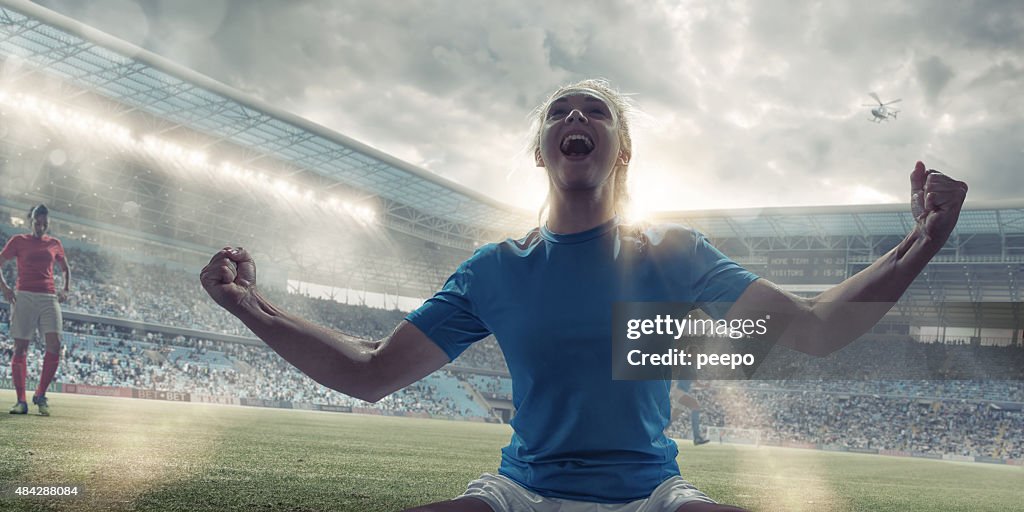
(531,239)
(482,257)
(19,238)
(513,247)
(664,235)
(666,229)
(492,255)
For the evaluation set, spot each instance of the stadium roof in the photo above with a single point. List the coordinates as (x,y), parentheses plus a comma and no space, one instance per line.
(139,80)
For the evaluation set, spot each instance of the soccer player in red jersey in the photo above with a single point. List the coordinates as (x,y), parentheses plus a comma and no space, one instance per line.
(35,303)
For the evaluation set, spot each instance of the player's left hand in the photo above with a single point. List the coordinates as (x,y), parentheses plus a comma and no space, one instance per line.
(935,201)
(62,296)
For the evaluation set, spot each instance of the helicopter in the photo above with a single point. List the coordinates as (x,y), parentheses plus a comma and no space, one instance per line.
(881,112)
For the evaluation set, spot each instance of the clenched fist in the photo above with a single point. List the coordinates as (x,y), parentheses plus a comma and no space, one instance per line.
(935,201)
(229,277)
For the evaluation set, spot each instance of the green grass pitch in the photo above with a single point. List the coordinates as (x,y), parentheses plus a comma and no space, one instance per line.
(150,455)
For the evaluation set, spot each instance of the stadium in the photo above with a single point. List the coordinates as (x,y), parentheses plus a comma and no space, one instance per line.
(164,401)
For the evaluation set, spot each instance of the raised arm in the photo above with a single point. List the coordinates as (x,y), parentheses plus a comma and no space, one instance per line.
(368,370)
(843,313)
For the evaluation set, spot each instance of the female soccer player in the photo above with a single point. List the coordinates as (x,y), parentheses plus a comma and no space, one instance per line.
(35,303)
(581,440)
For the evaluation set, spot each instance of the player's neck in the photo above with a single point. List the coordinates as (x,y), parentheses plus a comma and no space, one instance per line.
(564,218)
(575,210)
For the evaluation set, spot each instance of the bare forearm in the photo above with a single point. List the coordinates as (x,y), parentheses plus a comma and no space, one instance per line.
(3,278)
(844,312)
(331,358)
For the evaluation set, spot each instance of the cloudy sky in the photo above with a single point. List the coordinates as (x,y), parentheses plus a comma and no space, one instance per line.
(745,103)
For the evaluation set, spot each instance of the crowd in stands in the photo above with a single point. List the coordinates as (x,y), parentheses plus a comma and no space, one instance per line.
(492,386)
(154,293)
(900,358)
(985,390)
(157,293)
(911,424)
(183,364)
(484,354)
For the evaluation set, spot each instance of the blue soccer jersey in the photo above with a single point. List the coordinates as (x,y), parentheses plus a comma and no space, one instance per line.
(548,300)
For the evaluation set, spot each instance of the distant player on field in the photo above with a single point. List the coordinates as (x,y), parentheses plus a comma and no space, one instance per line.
(582,441)
(35,303)
(681,397)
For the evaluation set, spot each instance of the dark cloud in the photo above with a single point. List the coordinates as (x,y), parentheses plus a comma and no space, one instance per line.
(934,75)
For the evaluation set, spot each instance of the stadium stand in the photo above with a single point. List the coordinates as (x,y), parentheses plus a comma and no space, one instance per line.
(492,386)
(907,423)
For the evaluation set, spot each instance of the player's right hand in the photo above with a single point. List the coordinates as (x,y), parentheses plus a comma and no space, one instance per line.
(936,201)
(229,277)
(9,296)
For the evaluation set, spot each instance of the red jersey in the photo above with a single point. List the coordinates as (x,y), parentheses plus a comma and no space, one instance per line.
(36,257)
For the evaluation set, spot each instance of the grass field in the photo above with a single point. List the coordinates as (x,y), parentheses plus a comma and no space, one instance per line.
(151,455)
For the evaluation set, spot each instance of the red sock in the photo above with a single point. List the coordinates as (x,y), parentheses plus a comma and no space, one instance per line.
(18,370)
(50,361)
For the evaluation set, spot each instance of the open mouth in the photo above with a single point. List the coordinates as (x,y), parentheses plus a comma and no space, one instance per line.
(577,145)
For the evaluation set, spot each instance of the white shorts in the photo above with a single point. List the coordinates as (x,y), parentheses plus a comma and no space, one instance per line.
(505,495)
(35,310)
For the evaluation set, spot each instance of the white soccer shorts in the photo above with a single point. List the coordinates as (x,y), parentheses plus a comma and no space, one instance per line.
(505,495)
(35,310)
